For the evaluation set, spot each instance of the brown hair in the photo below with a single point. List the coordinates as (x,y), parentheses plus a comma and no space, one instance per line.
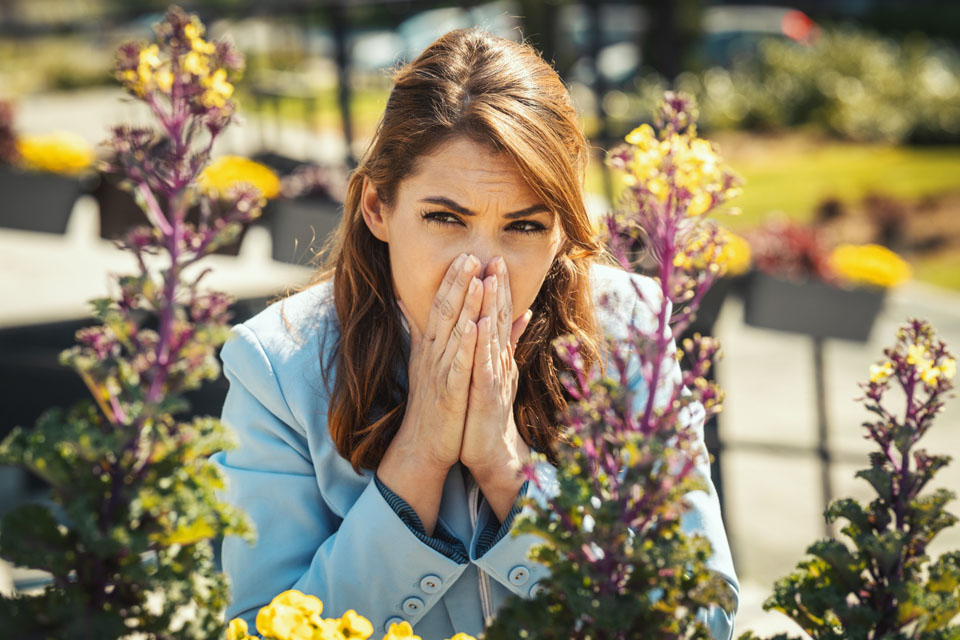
(501,94)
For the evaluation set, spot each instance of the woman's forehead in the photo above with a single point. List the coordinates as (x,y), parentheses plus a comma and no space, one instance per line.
(466,169)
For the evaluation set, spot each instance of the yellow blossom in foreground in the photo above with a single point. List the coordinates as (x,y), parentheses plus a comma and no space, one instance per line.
(400,631)
(57,152)
(462,636)
(353,625)
(289,616)
(238,629)
(869,264)
(225,172)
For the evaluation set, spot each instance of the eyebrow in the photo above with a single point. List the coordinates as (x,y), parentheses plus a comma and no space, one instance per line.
(450,204)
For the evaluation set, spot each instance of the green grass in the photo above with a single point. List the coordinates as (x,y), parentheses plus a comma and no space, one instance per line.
(797,183)
(943,270)
(366,107)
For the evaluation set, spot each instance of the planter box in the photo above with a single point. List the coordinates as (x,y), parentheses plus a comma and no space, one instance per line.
(299,224)
(39,201)
(119,213)
(812,308)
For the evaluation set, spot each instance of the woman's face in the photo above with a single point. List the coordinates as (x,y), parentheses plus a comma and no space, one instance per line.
(463,198)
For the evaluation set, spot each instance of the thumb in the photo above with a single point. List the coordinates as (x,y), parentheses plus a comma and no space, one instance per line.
(519,326)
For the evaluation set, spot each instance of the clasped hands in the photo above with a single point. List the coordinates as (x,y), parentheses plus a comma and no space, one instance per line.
(463,381)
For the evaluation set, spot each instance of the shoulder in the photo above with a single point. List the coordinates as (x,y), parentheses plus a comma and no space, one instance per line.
(621,296)
(277,353)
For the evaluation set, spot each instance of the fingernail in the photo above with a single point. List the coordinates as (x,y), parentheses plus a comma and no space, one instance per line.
(500,265)
(471,263)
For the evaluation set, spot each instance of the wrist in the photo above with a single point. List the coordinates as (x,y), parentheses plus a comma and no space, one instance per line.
(502,474)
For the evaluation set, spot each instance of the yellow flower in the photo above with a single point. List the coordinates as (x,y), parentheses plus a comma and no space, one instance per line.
(658,187)
(401,630)
(196,63)
(57,152)
(218,89)
(643,137)
(238,629)
(462,636)
(186,533)
(353,625)
(224,173)
(699,203)
(732,258)
(300,600)
(880,372)
(164,80)
(920,358)
(150,56)
(735,255)
(949,368)
(869,264)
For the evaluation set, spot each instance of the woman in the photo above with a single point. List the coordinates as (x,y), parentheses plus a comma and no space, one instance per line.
(384,412)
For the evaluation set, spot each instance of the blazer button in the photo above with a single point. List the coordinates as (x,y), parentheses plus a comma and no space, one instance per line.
(431,584)
(413,605)
(393,620)
(537,589)
(518,576)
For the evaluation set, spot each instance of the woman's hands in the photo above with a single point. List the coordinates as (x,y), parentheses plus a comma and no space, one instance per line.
(439,370)
(492,447)
(462,385)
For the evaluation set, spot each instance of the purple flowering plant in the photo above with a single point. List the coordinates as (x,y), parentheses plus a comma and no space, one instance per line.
(621,564)
(127,533)
(880,583)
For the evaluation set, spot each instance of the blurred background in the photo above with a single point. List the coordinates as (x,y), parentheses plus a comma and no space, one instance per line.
(843,117)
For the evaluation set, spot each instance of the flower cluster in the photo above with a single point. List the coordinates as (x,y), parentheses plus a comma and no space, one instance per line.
(791,251)
(870,265)
(676,163)
(224,174)
(798,252)
(883,583)
(293,615)
(56,152)
(621,565)
(729,252)
(181,63)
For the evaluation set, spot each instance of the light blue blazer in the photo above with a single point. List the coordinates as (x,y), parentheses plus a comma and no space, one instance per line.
(326,531)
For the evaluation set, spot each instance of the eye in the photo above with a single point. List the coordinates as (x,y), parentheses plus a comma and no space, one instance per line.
(446,219)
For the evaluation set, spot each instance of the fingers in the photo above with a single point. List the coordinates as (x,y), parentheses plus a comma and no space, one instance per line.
(457,377)
(504,302)
(446,308)
(519,327)
(489,310)
(483,358)
(449,279)
(458,334)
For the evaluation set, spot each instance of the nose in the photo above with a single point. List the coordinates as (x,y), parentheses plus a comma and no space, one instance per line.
(485,254)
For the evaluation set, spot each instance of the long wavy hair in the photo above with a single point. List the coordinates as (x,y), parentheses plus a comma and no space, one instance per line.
(502,94)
